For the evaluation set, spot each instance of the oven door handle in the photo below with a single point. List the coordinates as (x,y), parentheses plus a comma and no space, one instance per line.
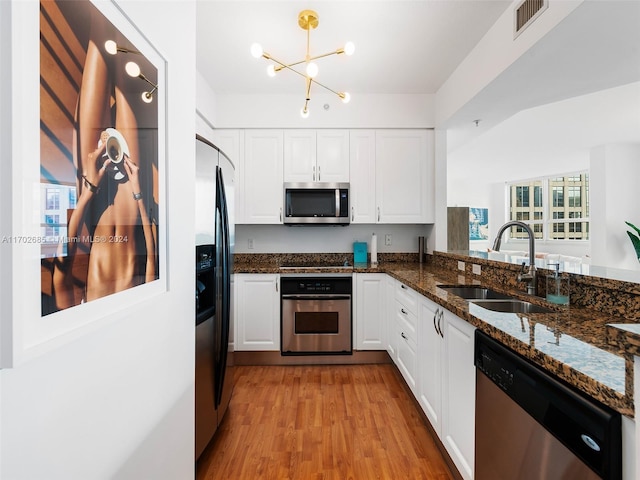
(316,297)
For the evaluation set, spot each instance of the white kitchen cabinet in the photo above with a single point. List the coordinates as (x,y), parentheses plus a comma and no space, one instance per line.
(390,313)
(261,181)
(430,362)
(405,176)
(446,380)
(257,312)
(229,141)
(458,392)
(316,156)
(362,163)
(406,323)
(370,313)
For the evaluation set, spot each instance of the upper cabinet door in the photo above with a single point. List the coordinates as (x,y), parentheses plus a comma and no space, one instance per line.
(332,160)
(261,177)
(316,156)
(404,176)
(300,156)
(362,163)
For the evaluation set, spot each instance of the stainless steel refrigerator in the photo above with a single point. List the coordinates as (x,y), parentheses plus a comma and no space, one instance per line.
(213,293)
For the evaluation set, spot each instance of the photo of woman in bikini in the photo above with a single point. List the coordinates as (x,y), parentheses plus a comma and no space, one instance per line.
(99,148)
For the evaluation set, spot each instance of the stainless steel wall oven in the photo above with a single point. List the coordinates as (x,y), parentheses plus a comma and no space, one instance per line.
(316,315)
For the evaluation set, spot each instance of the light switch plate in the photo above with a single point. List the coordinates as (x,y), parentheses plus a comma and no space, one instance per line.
(476,269)
(461,266)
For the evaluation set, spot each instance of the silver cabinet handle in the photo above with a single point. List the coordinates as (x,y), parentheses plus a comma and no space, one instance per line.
(403,311)
(378,213)
(440,324)
(318,172)
(352,214)
(403,336)
(436,322)
(314,172)
(280,213)
(402,286)
(276,285)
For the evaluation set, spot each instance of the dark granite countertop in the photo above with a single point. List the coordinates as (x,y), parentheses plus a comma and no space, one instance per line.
(585,348)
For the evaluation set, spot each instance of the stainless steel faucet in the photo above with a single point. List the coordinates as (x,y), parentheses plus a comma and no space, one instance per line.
(530,276)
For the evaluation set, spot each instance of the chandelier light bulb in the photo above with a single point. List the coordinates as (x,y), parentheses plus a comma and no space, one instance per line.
(147,97)
(312,69)
(271,70)
(349,48)
(256,50)
(132,68)
(304,113)
(111,47)
(345,97)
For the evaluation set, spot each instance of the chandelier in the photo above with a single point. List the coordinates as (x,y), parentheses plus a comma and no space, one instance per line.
(307,19)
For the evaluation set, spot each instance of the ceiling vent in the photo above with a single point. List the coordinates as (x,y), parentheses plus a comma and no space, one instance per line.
(526,12)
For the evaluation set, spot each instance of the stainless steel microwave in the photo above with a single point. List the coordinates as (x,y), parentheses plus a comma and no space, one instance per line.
(316,203)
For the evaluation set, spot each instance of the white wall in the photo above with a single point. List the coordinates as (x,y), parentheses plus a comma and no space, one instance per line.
(117,402)
(283,111)
(615,170)
(321,239)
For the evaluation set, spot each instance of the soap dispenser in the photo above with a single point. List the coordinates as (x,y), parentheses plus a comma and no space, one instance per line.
(557,287)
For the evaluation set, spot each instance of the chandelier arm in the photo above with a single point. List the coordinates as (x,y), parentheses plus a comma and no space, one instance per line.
(309,80)
(282,65)
(325,87)
(335,52)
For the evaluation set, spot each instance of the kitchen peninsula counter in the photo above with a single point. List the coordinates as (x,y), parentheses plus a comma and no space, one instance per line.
(585,348)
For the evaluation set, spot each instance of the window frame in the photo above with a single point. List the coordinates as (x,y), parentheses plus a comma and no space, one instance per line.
(547,225)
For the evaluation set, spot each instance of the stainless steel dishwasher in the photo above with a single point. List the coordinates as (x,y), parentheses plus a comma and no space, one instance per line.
(530,426)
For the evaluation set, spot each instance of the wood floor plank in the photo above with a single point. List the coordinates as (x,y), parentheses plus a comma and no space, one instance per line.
(321,422)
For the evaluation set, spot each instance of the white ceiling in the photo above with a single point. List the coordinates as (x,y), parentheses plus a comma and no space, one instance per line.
(412,47)
(402,46)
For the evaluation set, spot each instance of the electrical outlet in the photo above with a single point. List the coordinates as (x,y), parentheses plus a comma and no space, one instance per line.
(250,244)
(461,266)
(387,239)
(476,269)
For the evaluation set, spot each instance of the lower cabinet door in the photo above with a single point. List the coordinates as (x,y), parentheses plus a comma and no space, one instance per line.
(370,315)
(257,312)
(458,392)
(430,363)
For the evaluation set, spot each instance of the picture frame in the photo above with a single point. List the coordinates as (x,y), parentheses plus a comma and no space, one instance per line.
(49,41)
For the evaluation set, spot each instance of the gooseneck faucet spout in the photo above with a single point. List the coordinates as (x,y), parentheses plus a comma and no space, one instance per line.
(530,276)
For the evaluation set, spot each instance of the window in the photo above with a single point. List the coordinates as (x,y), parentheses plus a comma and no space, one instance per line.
(53,198)
(563,216)
(52,225)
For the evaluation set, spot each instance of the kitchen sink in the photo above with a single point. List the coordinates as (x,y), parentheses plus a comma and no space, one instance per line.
(511,306)
(473,292)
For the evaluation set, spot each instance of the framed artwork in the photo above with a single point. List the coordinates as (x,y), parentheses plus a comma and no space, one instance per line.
(478,223)
(89,211)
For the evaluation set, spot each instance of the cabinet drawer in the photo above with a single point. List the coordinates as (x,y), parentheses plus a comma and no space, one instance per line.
(406,315)
(407,359)
(408,298)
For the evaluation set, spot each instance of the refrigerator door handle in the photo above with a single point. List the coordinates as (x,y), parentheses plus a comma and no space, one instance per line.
(222,329)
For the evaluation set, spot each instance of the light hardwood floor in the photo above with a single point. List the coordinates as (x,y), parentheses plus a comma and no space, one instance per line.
(321,422)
